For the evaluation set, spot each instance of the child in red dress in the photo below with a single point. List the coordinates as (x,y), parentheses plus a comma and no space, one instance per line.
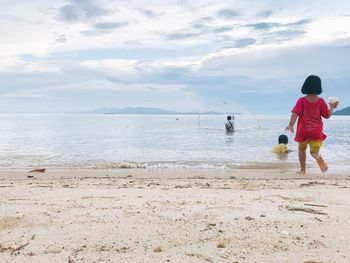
(309,110)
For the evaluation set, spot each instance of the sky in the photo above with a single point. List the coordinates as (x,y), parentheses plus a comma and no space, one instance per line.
(251,56)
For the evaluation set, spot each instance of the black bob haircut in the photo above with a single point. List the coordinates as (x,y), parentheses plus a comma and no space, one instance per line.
(228,118)
(312,85)
(283,139)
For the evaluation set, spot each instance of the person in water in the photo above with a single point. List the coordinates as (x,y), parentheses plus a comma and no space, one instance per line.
(282,147)
(309,110)
(230,126)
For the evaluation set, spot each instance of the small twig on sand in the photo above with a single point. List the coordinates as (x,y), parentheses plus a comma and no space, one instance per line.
(13,250)
(318,219)
(306,210)
(311,183)
(40,170)
(315,205)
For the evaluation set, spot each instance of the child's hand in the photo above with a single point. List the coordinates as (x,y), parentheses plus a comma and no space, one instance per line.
(290,128)
(334,105)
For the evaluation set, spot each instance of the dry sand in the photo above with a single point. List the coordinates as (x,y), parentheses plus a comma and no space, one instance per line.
(174,216)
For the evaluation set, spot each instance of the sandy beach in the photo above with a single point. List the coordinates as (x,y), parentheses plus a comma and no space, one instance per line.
(173,216)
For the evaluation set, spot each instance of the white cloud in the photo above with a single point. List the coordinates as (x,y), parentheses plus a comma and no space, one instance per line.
(329,29)
(41,27)
(250,47)
(16,65)
(106,85)
(26,96)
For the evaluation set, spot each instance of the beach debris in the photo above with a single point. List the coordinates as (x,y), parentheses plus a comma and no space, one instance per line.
(311,183)
(249,218)
(122,249)
(311,261)
(224,187)
(211,224)
(306,210)
(262,215)
(152,183)
(315,205)
(13,250)
(221,245)
(4,186)
(247,186)
(158,249)
(318,219)
(183,186)
(207,185)
(125,166)
(30,176)
(19,248)
(39,170)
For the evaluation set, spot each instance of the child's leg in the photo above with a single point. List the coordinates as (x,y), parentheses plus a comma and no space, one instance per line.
(321,163)
(302,157)
(315,153)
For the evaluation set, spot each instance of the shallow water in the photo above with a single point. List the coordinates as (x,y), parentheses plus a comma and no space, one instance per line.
(157,141)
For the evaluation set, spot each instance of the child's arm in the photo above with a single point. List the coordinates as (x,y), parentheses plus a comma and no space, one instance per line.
(293,119)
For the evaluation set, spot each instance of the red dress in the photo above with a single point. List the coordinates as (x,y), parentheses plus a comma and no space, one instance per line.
(310,125)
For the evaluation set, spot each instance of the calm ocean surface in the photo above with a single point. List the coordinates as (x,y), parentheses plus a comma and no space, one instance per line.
(157,141)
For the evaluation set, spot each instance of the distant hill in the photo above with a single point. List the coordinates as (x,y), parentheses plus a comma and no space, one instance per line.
(129,110)
(142,110)
(345,111)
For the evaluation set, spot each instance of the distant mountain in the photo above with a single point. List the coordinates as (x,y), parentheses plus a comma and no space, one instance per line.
(130,110)
(142,110)
(345,111)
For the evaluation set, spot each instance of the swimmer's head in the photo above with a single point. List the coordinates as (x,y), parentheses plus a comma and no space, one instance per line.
(283,139)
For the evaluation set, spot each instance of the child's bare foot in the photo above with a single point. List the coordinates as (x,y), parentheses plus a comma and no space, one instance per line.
(301,172)
(322,164)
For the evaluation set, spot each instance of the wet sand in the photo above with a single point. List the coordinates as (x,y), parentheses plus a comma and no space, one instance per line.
(174,216)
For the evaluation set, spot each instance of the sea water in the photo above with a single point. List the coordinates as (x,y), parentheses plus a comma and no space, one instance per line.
(158,141)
